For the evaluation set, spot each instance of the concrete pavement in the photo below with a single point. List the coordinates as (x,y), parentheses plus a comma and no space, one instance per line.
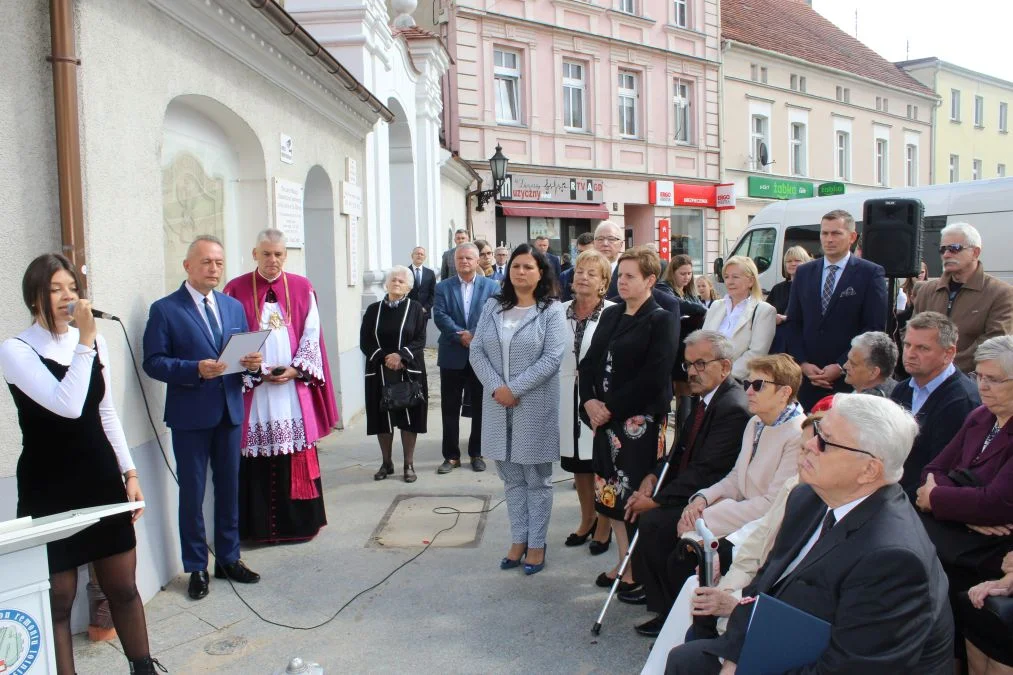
(452,610)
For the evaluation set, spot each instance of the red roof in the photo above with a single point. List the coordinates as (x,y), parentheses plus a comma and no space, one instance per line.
(415,33)
(792,28)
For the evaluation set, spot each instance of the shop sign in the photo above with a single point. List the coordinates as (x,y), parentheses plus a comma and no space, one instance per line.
(777,188)
(529,188)
(664,239)
(830,189)
(670,193)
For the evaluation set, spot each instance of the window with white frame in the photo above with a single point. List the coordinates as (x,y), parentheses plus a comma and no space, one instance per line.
(979,111)
(843,148)
(975,169)
(507,86)
(1000,170)
(954,168)
(760,137)
(681,16)
(911,165)
(628,92)
(954,105)
(797,83)
(683,102)
(628,6)
(573,96)
(882,162)
(843,94)
(1003,117)
(763,74)
(797,142)
(912,112)
(879,103)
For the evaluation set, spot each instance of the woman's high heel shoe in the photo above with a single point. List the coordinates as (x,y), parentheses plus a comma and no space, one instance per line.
(530,569)
(599,547)
(509,563)
(578,539)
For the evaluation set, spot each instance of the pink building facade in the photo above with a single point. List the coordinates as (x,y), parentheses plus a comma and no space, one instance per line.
(592,102)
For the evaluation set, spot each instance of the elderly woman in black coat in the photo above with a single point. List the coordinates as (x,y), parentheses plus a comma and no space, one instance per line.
(393,338)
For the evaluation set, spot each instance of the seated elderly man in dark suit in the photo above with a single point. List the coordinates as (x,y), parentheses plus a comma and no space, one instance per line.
(851,552)
(708,445)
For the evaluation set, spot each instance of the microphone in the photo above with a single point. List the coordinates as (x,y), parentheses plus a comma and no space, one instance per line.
(97,313)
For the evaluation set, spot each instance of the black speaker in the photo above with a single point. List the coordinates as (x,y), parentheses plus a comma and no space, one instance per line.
(892,235)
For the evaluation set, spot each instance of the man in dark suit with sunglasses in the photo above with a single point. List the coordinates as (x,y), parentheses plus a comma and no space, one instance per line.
(708,445)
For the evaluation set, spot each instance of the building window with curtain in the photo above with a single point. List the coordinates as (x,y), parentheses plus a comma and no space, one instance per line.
(911,165)
(882,162)
(975,169)
(681,16)
(954,168)
(954,105)
(798,149)
(759,126)
(843,155)
(573,96)
(683,100)
(507,86)
(628,94)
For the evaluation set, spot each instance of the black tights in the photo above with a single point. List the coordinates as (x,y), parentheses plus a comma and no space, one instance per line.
(387,447)
(115,576)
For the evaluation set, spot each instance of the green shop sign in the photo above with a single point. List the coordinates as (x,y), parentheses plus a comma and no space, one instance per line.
(830,189)
(775,188)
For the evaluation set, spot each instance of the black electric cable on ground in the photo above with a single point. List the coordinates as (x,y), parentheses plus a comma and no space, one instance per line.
(439,510)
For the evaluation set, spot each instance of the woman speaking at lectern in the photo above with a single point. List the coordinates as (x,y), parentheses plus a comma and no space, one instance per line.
(74,454)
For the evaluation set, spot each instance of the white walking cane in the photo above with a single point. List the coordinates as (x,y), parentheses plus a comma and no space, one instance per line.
(596,629)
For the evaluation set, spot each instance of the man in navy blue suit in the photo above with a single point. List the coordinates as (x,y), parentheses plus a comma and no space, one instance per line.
(833,299)
(185,333)
(458,306)
(542,244)
(424,289)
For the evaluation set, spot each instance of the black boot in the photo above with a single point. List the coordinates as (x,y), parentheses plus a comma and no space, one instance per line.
(146,666)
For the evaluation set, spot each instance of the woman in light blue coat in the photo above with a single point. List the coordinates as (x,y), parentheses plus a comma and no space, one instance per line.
(516,352)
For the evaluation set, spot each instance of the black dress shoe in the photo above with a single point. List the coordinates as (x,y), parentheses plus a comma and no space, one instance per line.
(637,596)
(599,547)
(651,628)
(578,539)
(477,464)
(237,571)
(198,585)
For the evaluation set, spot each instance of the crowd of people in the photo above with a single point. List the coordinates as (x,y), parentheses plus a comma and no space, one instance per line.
(862,476)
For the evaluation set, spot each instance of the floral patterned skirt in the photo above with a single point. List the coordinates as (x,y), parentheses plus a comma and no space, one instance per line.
(624,453)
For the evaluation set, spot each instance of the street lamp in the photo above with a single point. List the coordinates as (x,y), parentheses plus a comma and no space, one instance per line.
(498,164)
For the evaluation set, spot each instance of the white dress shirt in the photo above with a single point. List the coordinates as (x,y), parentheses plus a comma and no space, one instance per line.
(841,264)
(467,290)
(839,513)
(732,316)
(198,299)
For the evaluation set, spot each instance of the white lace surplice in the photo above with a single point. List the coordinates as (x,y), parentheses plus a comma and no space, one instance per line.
(276,421)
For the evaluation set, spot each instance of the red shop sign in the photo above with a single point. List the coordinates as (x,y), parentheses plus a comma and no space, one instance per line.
(664,239)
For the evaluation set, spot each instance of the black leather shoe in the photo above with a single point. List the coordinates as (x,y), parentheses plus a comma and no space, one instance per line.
(599,547)
(477,464)
(237,571)
(198,585)
(651,628)
(448,465)
(638,596)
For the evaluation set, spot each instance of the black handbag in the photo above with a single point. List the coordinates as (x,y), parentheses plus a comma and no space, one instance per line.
(401,395)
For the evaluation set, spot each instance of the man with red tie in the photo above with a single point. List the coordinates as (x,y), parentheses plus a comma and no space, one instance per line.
(708,445)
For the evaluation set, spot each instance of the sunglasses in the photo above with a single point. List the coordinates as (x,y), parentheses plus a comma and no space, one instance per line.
(757,385)
(952,248)
(822,442)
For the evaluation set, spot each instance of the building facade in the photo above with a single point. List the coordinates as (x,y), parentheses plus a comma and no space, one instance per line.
(592,102)
(808,110)
(970,127)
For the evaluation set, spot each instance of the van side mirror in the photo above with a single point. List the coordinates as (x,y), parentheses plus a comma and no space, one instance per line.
(719,264)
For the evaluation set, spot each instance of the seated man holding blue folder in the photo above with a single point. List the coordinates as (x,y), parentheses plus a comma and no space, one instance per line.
(850,552)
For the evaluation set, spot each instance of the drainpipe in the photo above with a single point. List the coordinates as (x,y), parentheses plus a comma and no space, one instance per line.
(68,139)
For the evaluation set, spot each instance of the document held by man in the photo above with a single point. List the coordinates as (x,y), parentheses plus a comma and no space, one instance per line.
(238,346)
(781,637)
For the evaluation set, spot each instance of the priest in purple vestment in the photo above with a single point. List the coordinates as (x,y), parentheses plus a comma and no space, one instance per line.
(280,495)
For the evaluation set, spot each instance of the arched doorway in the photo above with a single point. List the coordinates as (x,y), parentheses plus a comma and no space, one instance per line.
(213,182)
(403,209)
(321,252)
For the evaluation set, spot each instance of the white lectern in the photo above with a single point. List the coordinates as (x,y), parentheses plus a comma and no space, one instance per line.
(26,624)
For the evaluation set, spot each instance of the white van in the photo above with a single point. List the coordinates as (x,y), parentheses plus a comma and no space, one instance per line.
(985,204)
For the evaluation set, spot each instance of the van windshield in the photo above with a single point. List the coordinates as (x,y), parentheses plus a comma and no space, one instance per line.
(759,245)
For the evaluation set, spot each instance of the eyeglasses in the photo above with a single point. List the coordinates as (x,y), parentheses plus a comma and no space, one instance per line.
(611,240)
(697,365)
(822,442)
(757,385)
(988,381)
(952,248)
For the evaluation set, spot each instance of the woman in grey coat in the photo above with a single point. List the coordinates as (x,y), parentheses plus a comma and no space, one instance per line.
(516,352)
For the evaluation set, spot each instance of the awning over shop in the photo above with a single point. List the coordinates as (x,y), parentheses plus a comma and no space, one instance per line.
(554,210)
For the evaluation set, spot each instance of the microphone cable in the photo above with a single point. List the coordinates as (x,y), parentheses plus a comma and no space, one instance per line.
(439,510)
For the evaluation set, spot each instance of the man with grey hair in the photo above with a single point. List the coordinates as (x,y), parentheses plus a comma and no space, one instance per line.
(939,395)
(447,267)
(280,491)
(851,551)
(423,281)
(706,450)
(871,362)
(979,304)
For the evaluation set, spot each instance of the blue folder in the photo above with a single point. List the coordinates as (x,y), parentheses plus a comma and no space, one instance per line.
(781,637)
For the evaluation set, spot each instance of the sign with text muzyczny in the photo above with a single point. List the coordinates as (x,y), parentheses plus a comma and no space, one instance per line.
(528,188)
